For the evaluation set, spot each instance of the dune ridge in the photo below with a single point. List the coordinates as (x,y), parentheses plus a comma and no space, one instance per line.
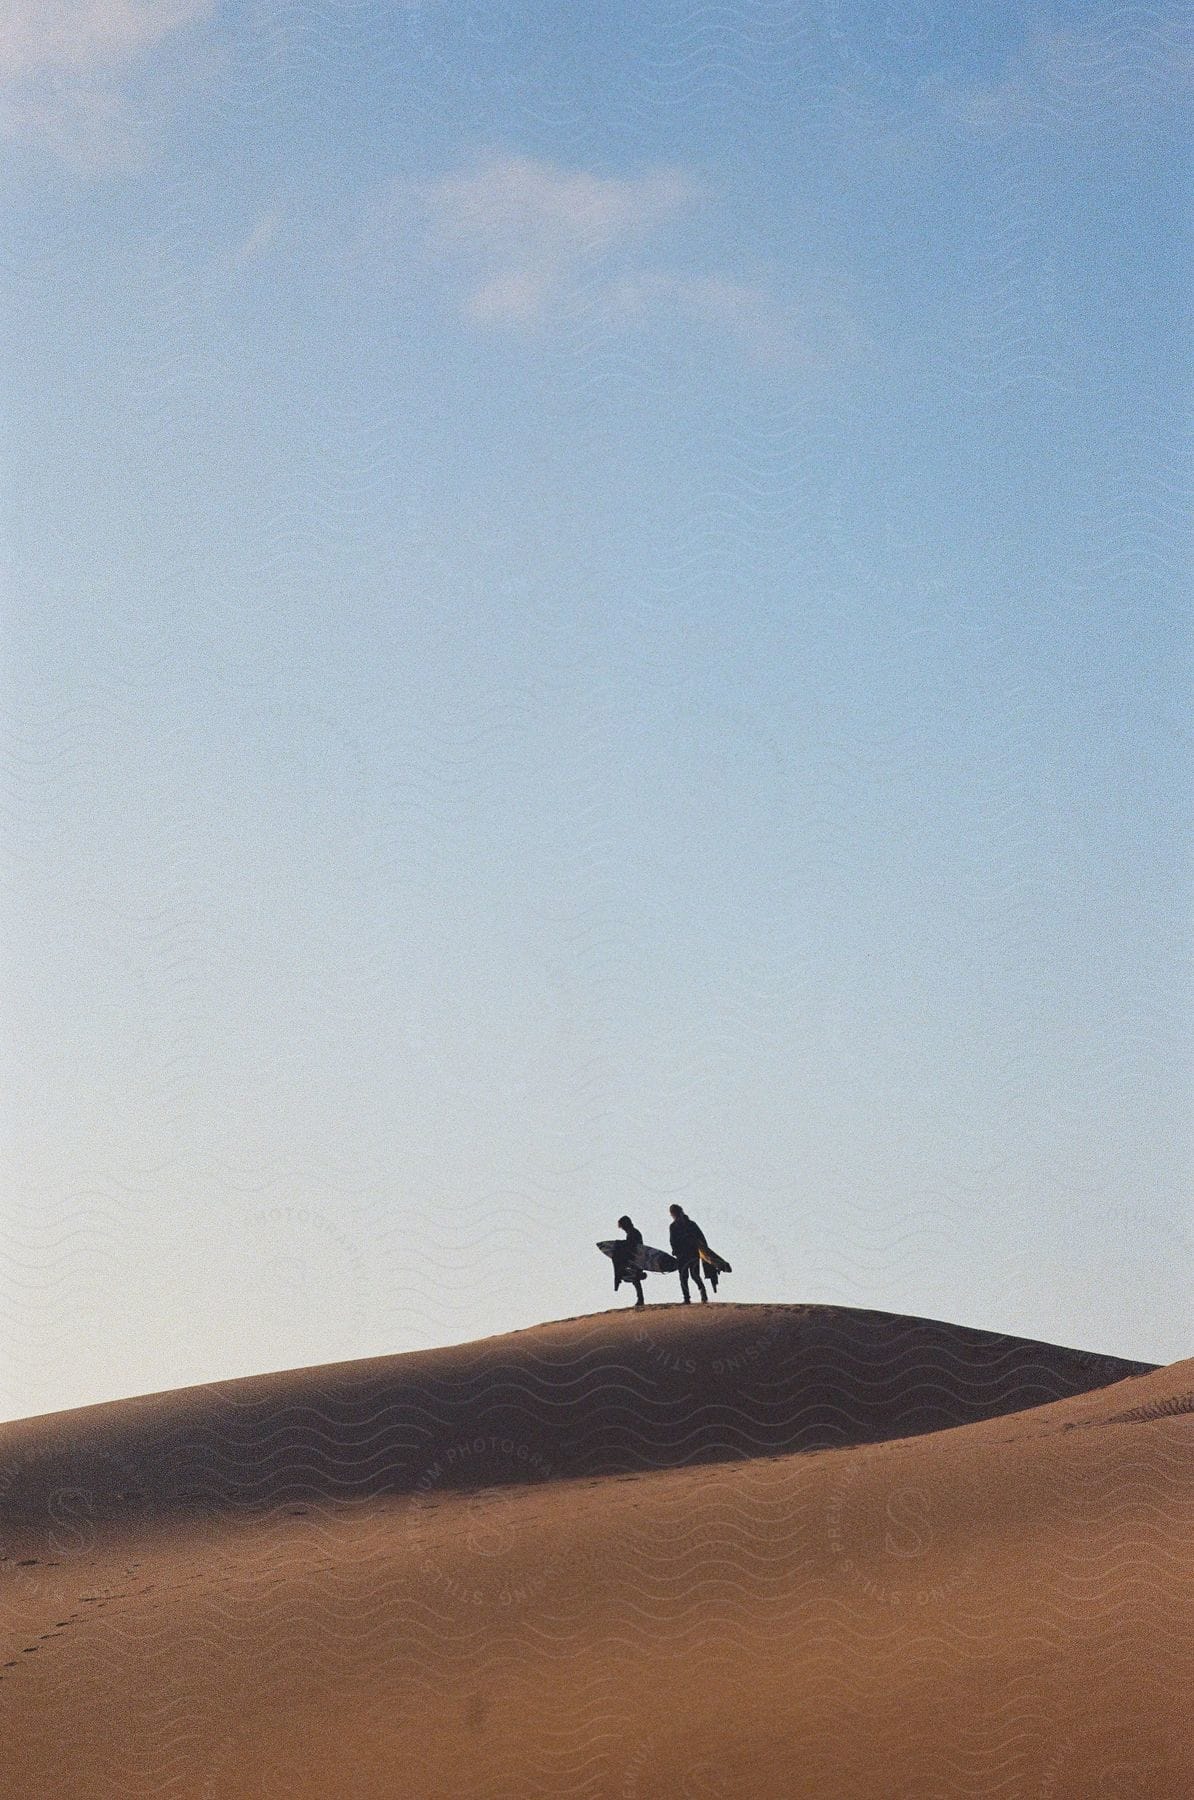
(693,1552)
(604,1394)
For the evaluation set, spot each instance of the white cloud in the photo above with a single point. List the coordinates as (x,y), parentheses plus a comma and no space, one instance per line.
(524,235)
(1115,73)
(64,65)
(816,328)
(525,243)
(516,296)
(518,204)
(86,35)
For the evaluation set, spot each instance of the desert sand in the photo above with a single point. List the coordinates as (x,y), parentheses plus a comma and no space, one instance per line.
(686,1552)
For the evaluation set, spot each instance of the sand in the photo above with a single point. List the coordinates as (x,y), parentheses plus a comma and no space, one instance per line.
(734,1551)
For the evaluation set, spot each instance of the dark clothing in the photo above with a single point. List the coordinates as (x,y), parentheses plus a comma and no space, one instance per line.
(688,1240)
(692,1269)
(621,1261)
(624,1251)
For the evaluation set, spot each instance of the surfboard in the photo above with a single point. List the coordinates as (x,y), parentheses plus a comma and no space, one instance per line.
(645,1259)
(715,1262)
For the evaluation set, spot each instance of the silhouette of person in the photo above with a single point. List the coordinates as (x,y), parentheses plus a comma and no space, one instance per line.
(622,1255)
(688,1240)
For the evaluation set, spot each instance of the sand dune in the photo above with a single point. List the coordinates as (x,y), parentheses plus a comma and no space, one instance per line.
(690,1552)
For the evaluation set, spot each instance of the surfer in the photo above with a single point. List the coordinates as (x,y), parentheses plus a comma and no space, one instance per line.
(688,1240)
(621,1255)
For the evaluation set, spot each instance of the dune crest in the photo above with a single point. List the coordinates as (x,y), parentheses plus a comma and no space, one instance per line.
(600,1395)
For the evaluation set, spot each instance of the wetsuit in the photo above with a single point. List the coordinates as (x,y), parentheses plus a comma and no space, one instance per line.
(621,1260)
(687,1241)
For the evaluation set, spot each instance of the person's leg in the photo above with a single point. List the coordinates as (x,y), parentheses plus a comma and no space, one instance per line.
(696,1276)
(686,1269)
(638,1288)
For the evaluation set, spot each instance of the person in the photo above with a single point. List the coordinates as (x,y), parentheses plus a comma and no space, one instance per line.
(688,1240)
(623,1271)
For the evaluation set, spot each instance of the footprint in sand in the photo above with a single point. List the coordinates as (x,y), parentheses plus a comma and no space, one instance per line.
(1171,1408)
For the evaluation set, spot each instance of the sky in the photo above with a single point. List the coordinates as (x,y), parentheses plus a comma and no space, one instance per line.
(595,612)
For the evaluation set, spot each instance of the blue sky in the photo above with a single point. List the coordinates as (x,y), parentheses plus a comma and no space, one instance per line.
(596,611)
